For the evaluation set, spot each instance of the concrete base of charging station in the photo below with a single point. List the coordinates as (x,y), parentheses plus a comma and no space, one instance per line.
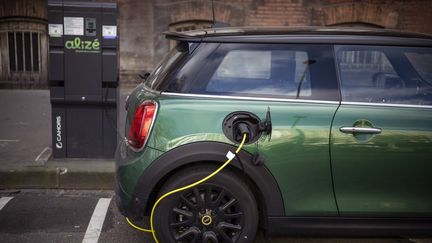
(92,174)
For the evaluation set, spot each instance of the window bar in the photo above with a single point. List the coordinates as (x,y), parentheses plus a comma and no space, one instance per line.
(23,52)
(7,44)
(31,51)
(39,52)
(16,54)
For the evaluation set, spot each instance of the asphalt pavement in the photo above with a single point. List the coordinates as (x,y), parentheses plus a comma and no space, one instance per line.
(25,146)
(25,127)
(65,215)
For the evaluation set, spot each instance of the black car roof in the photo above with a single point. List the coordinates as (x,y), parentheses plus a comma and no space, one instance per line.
(334,35)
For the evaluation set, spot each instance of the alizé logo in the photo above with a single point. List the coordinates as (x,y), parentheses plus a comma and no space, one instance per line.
(83,46)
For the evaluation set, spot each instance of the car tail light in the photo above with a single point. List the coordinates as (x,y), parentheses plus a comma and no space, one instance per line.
(141,124)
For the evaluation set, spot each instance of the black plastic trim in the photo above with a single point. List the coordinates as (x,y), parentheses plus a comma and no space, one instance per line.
(302,35)
(324,39)
(211,152)
(295,31)
(341,226)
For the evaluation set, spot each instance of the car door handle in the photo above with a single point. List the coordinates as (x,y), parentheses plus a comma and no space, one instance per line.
(369,130)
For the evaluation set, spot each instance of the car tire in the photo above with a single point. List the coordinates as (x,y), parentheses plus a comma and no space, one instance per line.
(223,209)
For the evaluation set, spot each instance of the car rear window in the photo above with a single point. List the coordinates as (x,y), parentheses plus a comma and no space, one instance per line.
(166,66)
(273,72)
(245,64)
(260,70)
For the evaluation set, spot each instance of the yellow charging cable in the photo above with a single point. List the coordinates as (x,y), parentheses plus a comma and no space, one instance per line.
(151,230)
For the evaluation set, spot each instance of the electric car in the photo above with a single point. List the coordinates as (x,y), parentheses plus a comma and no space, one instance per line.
(337,126)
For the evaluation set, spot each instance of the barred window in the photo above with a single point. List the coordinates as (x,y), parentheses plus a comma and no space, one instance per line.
(24,51)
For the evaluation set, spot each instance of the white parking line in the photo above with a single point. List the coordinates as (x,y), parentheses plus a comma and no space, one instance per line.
(4,201)
(96,222)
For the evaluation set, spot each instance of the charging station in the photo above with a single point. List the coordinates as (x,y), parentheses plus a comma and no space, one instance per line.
(83,78)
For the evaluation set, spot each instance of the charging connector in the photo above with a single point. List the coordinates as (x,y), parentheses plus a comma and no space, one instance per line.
(240,129)
(238,123)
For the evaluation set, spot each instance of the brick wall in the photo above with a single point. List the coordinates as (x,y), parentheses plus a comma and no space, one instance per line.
(415,16)
(279,13)
(24,8)
(143,21)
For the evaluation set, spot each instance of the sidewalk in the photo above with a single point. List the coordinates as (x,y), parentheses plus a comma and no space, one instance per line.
(25,147)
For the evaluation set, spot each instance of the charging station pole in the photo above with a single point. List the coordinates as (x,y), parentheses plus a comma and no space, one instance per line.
(83,77)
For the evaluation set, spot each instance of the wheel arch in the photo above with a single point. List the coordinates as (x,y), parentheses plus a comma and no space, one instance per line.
(258,177)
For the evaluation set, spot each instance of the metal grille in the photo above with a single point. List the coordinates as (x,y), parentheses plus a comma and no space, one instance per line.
(24,51)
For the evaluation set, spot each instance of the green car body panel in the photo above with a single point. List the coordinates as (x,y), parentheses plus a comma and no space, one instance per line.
(386,174)
(300,136)
(396,162)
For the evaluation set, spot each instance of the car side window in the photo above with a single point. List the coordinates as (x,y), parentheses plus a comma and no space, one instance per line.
(290,71)
(374,74)
(422,63)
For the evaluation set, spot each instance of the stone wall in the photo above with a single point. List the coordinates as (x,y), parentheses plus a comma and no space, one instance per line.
(135,23)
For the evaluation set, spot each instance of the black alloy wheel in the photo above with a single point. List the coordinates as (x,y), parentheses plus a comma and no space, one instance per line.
(220,210)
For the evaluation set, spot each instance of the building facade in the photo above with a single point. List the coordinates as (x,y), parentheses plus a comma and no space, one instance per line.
(142,22)
(23,43)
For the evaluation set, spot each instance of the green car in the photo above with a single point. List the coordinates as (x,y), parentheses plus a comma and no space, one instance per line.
(338,126)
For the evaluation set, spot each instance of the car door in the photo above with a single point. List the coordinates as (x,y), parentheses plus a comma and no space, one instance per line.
(381,139)
(298,84)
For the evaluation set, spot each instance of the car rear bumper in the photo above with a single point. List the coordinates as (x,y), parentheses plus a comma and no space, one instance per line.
(130,166)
